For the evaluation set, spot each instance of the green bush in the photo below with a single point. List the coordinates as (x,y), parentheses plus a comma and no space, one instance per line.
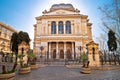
(32,58)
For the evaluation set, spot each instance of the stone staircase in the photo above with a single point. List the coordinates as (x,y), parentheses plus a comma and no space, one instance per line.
(57,63)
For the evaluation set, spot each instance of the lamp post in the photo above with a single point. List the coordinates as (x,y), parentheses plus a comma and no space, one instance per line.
(80,48)
(41,48)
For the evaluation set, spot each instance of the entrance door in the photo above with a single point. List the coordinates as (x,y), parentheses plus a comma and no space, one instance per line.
(69,55)
(54,54)
(61,54)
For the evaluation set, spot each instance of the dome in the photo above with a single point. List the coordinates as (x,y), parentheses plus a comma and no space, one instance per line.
(62,6)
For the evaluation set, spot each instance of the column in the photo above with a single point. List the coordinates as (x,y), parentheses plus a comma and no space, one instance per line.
(85,28)
(72,29)
(72,50)
(49,50)
(56,27)
(49,29)
(64,27)
(64,50)
(80,29)
(57,55)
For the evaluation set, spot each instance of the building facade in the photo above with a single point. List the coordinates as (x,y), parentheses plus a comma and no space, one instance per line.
(5,37)
(62,32)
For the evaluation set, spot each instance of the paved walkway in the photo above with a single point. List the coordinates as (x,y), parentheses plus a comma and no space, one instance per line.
(63,73)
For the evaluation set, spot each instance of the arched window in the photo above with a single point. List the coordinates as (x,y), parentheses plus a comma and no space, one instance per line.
(68,27)
(60,28)
(53,27)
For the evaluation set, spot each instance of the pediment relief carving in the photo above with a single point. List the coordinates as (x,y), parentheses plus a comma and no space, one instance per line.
(60,12)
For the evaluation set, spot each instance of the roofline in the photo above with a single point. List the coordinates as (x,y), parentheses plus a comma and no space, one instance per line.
(89,24)
(35,25)
(91,42)
(58,16)
(8,27)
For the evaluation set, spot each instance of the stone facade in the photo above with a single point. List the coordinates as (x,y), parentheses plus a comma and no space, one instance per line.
(93,54)
(62,32)
(23,49)
(5,37)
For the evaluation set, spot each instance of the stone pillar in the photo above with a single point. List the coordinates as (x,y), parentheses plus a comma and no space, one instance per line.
(90,58)
(86,29)
(49,50)
(56,27)
(57,55)
(97,57)
(90,47)
(49,29)
(0,58)
(72,50)
(72,31)
(64,50)
(64,28)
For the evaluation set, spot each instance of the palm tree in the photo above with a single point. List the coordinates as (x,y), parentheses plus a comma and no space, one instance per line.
(84,59)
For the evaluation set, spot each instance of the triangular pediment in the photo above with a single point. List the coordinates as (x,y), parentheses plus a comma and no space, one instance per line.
(60,12)
(91,43)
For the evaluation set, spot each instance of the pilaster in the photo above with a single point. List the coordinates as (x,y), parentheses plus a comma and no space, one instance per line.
(57,55)
(64,50)
(49,50)
(72,50)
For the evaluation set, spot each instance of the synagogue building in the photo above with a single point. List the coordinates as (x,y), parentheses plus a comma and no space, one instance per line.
(62,32)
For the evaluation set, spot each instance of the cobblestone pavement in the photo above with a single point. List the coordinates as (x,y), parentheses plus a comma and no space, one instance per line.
(63,73)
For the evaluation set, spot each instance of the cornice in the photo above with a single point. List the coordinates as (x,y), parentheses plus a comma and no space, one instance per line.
(7,27)
(35,25)
(62,16)
(89,24)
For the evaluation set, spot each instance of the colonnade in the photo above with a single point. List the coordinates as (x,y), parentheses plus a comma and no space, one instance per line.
(61,50)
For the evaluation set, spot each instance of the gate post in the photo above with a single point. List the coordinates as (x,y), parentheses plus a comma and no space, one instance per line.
(93,54)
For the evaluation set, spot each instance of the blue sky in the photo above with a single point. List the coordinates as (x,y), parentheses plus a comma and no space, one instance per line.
(20,14)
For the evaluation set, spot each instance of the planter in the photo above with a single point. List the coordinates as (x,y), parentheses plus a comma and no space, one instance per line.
(86,71)
(9,76)
(34,66)
(25,70)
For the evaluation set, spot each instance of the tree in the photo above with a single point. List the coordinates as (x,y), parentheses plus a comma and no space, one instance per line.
(14,42)
(112,44)
(111,18)
(14,47)
(84,59)
(16,39)
(23,36)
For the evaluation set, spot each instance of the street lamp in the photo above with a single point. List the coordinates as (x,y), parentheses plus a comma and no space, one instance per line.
(41,48)
(80,48)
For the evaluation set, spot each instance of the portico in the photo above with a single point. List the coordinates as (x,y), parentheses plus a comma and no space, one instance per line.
(61,50)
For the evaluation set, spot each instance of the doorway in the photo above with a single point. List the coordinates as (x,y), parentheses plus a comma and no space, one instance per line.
(61,54)
(54,54)
(69,54)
